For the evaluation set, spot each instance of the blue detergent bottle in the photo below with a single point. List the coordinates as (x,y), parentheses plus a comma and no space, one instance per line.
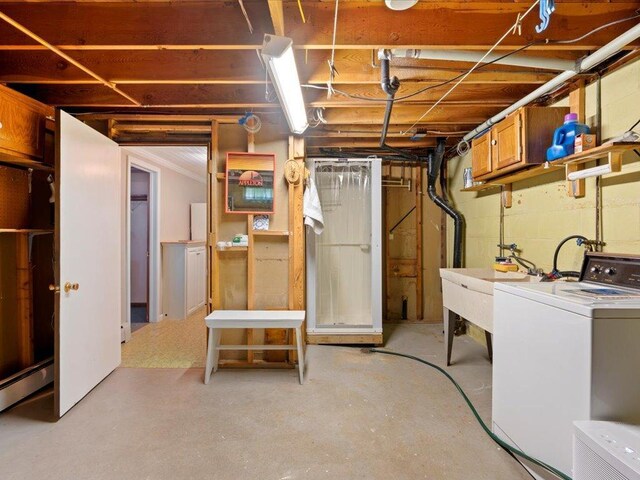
(565,136)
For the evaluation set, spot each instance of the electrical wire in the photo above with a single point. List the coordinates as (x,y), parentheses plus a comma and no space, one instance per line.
(510,31)
(475,413)
(484,65)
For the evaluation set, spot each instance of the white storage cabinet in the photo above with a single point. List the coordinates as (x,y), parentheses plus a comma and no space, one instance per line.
(183,278)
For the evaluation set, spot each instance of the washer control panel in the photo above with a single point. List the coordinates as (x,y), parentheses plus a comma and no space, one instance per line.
(611,269)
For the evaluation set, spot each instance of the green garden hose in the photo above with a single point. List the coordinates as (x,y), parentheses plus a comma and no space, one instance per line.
(487,430)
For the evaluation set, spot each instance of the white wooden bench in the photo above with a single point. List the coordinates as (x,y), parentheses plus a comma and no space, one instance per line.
(219,319)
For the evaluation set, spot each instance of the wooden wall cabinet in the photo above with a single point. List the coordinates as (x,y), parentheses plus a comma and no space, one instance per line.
(184,271)
(22,126)
(518,141)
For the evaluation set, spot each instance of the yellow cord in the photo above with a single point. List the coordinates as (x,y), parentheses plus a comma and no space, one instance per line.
(304,20)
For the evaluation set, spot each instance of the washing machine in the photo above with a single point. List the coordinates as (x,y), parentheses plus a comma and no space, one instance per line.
(566,351)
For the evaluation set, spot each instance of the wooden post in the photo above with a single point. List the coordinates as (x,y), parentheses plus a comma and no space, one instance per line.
(576,188)
(296,238)
(214,300)
(24,294)
(577,101)
(419,290)
(250,281)
(506,196)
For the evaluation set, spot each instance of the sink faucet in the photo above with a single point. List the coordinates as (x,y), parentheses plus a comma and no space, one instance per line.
(531,267)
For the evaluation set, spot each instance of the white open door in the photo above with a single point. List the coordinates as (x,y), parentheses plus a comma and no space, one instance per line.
(88,243)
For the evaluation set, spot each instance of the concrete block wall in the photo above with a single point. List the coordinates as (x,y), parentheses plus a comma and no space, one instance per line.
(542,213)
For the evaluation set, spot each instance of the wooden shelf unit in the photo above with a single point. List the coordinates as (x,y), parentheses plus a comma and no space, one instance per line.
(275,233)
(293,239)
(232,249)
(612,152)
(25,230)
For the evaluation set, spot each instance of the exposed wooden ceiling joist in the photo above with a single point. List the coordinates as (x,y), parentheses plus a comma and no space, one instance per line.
(220,68)
(198,57)
(253,96)
(363,24)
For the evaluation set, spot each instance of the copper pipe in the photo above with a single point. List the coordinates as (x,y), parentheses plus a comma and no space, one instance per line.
(59,52)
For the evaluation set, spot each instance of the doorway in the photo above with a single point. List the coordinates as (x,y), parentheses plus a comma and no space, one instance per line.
(139,246)
(141,297)
(170,181)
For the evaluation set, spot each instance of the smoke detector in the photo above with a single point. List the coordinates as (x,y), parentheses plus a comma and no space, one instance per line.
(400,4)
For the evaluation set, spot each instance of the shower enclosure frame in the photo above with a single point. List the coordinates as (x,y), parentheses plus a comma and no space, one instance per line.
(375,326)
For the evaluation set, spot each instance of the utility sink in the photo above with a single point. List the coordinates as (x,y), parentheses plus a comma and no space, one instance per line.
(482,279)
(468,292)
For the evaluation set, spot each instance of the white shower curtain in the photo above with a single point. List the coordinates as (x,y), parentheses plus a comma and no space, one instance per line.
(343,250)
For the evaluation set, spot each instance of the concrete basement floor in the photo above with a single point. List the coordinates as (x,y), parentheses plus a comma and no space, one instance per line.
(357,416)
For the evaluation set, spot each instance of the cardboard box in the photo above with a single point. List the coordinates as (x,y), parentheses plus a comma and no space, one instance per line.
(584,142)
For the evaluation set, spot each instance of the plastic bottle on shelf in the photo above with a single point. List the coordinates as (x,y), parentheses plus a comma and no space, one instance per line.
(565,136)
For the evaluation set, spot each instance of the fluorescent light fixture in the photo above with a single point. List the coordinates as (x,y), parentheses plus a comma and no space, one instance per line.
(277,53)
(590,172)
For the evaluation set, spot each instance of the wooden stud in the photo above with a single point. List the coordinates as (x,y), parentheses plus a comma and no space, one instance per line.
(214,275)
(296,238)
(575,188)
(506,195)
(24,299)
(250,279)
(419,272)
(577,101)
(277,16)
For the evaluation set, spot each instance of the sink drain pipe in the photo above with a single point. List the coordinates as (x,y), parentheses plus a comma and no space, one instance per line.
(433,171)
(390,86)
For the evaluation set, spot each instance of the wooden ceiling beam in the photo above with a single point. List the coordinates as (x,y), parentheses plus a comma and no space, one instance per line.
(235,68)
(362,24)
(277,16)
(151,117)
(372,95)
(210,96)
(253,96)
(407,115)
(368,143)
(373,131)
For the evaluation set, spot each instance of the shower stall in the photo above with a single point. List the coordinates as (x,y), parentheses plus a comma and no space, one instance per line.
(344,263)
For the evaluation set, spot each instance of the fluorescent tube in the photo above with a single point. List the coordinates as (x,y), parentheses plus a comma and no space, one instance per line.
(589,172)
(277,53)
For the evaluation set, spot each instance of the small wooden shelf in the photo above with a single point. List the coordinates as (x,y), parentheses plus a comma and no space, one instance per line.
(273,233)
(232,249)
(25,163)
(479,188)
(610,151)
(25,230)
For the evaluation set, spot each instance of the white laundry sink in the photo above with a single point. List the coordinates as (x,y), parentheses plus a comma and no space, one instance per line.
(469,293)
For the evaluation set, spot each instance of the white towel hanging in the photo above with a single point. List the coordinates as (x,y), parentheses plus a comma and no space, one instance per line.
(312,209)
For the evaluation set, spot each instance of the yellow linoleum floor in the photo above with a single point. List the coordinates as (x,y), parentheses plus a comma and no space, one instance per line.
(168,344)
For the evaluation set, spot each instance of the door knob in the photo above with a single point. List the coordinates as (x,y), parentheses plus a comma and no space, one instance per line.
(71,286)
(54,288)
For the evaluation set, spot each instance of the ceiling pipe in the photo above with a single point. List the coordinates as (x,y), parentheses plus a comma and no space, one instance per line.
(466,56)
(390,86)
(582,65)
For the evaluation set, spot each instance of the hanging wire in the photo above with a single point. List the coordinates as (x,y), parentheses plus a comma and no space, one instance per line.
(304,20)
(484,65)
(511,31)
(332,65)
